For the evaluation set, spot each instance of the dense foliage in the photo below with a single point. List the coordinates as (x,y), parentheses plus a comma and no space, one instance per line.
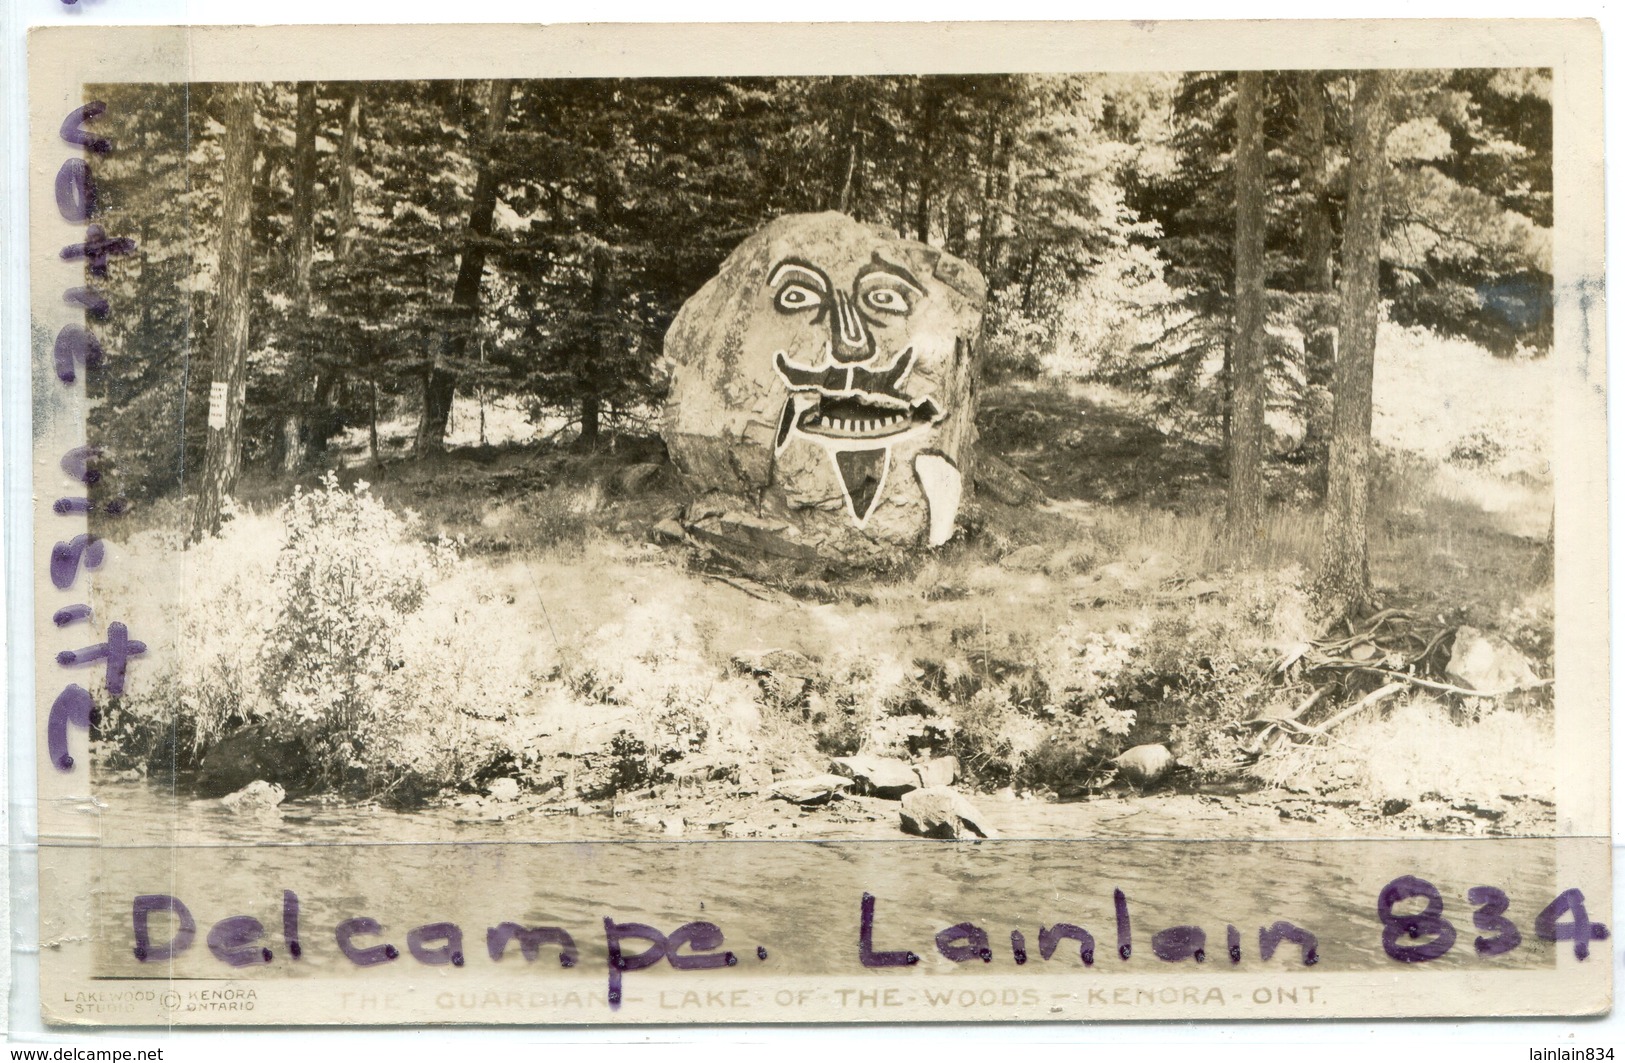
(408,233)
(335,630)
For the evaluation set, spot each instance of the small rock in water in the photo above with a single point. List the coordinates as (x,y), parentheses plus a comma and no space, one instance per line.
(257,796)
(879,776)
(942,812)
(503,789)
(674,826)
(1144,764)
(813,790)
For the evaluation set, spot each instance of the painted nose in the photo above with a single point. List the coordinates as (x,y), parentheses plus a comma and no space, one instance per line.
(851,340)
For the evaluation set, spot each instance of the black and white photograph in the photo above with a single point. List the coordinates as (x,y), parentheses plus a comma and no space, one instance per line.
(481,471)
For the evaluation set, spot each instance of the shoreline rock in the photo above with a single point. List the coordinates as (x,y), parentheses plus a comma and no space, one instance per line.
(813,790)
(877,776)
(942,812)
(257,798)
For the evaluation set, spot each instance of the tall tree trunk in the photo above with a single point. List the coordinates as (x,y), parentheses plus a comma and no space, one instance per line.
(590,407)
(229,354)
(1319,243)
(1345,575)
(1244,507)
(955,229)
(303,252)
(372,423)
(985,230)
(320,424)
(304,188)
(1002,207)
(926,164)
(1317,220)
(844,194)
(344,206)
(440,383)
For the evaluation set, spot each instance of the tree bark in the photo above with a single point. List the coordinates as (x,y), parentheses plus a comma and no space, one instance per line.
(985,229)
(1345,575)
(320,426)
(590,407)
(372,423)
(302,253)
(1319,244)
(229,354)
(1317,220)
(1002,206)
(927,164)
(304,188)
(844,194)
(956,228)
(1244,508)
(440,383)
(344,206)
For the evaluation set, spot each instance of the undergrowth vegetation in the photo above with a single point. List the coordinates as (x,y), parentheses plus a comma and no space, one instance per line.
(429,633)
(334,628)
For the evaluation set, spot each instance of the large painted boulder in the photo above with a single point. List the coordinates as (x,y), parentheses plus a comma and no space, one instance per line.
(827,376)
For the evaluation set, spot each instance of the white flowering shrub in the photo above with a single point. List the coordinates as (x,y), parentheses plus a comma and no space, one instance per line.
(334,627)
(347,576)
(1183,677)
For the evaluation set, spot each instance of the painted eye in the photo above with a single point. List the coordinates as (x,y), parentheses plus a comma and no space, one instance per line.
(797,297)
(886,300)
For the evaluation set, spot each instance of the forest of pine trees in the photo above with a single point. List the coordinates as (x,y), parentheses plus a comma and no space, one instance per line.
(344,253)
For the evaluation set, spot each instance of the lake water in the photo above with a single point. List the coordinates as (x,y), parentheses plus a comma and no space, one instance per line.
(800,901)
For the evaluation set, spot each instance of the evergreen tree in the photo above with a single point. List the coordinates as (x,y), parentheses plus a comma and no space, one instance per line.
(1244,509)
(1345,575)
(231,312)
(440,382)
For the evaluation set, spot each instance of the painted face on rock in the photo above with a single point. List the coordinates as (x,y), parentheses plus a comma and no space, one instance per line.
(846,368)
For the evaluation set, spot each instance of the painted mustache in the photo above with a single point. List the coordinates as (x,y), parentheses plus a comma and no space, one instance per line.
(851,401)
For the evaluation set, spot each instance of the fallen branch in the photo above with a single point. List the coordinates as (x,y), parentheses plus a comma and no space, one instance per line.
(1276,728)
(1377,695)
(1308,703)
(1293,727)
(1450,688)
(1304,706)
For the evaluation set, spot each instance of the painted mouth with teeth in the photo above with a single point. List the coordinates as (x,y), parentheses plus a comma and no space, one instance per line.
(849,417)
(842,403)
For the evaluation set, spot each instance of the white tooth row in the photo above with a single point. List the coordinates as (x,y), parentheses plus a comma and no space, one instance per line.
(872,424)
